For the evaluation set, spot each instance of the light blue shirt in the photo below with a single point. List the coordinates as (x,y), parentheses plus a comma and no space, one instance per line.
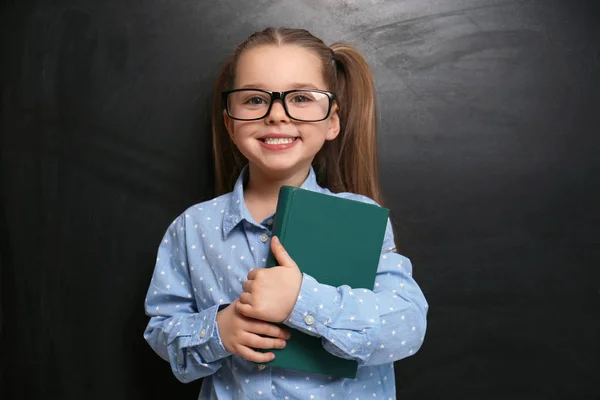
(203,261)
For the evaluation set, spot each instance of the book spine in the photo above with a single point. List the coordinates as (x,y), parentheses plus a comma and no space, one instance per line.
(284,206)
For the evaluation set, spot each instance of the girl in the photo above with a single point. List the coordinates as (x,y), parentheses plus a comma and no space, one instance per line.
(288,110)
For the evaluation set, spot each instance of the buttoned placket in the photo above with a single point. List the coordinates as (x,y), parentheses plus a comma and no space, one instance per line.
(259,239)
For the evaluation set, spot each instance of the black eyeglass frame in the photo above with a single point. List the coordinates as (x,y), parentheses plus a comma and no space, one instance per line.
(277,96)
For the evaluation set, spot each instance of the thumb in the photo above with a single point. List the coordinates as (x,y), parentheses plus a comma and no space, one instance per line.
(281,255)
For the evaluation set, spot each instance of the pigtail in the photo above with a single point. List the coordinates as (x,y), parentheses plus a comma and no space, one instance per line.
(228,160)
(350,161)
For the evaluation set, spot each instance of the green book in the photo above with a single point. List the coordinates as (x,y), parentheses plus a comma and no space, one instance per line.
(338,242)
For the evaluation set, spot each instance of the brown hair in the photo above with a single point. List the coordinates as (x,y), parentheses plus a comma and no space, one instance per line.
(346,164)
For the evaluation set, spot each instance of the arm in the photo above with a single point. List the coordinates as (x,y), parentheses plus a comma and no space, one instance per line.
(371,326)
(178,332)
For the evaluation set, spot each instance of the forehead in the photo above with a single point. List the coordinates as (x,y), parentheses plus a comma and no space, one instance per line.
(278,68)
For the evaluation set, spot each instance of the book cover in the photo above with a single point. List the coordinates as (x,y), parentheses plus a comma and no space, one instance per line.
(338,242)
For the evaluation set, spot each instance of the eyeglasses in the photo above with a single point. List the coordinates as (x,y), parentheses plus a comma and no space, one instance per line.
(300,105)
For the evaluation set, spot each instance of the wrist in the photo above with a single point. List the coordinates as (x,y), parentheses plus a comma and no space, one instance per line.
(221,326)
(222,313)
(295,295)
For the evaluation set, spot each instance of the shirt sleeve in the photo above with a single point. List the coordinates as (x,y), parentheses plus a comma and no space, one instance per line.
(375,326)
(178,332)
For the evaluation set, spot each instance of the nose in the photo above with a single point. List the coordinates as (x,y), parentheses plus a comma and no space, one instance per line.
(277,114)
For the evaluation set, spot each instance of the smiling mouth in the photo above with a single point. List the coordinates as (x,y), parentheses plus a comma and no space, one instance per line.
(278,140)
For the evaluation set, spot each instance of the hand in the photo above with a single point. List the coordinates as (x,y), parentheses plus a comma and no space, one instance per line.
(270,294)
(240,335)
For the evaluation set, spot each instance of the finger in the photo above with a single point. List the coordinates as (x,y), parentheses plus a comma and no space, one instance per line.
(281,255)
(259,342)
(255,356)
(245,298)
(247,286)
(252,274)
(245,309)
(265,328)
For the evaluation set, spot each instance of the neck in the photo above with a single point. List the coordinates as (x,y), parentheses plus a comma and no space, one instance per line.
(262,190)
(266,186)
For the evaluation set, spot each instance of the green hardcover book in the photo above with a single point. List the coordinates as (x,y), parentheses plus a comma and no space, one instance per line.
(338,242)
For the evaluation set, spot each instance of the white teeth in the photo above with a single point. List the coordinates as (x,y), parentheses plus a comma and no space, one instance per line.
(279,140)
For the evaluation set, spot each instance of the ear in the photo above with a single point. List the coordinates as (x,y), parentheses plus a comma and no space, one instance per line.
(228,125)
(333,130)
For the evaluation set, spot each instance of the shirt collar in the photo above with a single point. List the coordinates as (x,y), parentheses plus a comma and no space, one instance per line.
(236,210)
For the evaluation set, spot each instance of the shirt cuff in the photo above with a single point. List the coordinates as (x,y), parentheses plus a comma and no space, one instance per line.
(207,339)
(313,308)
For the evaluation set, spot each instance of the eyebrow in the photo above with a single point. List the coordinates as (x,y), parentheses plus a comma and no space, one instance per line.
(297,85)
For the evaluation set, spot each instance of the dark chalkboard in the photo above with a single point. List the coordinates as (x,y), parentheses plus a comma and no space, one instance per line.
(489,141)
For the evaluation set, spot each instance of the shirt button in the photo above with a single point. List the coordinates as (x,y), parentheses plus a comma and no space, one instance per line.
(203,333)
(270,221)
(261,367)
(264,237)
(309,320)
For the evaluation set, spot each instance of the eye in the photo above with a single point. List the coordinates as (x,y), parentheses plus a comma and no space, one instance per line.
(255,100)
(302,97)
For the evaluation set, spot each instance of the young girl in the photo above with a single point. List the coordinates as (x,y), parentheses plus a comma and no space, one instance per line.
(288,110)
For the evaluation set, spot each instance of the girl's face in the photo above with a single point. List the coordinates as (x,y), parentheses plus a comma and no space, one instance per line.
(280,68)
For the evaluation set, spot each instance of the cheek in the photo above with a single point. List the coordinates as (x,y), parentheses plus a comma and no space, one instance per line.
(240,129)
(316,131)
